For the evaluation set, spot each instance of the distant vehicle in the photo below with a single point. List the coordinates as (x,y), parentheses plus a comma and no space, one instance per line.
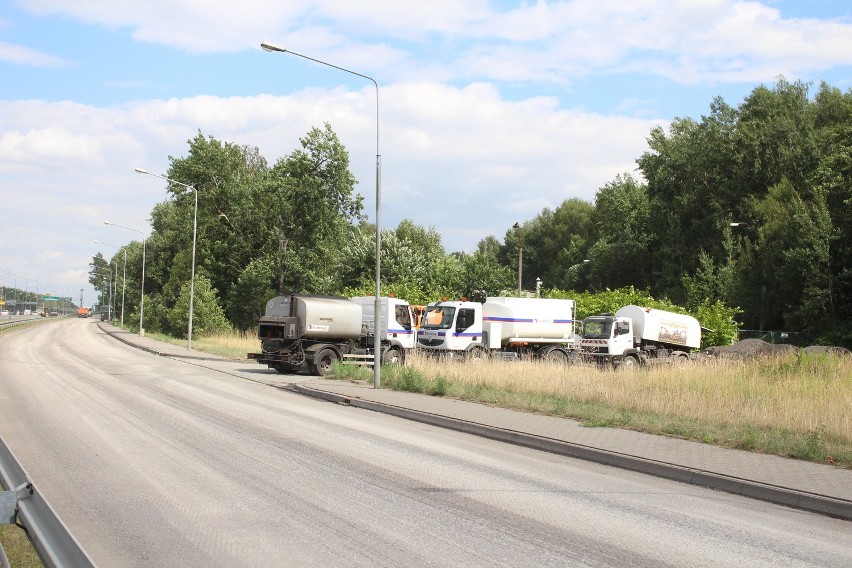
(4,312)
(53,314)
(82,312)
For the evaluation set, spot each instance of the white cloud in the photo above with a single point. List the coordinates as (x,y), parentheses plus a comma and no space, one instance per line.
(22,55)
(684,41)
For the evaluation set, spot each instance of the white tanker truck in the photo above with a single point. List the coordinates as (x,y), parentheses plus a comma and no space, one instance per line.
(310,332)
(636,335)
(505,327)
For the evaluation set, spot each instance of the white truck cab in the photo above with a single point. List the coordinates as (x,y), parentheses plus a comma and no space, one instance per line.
(451,326)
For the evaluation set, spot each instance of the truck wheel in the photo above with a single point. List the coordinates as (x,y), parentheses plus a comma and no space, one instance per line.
(476,353)
(323,361)
(392,356)
(555,356)
(629,362)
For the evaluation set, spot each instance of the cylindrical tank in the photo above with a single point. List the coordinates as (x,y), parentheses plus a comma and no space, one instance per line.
(662,326)
(327,317)
(530,318)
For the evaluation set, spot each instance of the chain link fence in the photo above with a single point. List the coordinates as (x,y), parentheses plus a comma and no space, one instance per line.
(797,338)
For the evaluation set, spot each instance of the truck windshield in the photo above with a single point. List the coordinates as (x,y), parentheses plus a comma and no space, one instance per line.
(597,329)
(438,317)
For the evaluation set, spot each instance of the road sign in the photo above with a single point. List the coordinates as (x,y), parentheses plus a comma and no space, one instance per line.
(51,297)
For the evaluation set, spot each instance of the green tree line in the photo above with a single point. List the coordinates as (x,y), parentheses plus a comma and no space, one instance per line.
(741,215)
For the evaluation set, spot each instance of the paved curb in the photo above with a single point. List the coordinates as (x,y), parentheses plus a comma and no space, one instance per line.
(780,495)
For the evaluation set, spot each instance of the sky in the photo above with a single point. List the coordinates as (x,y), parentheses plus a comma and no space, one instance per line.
(488,111)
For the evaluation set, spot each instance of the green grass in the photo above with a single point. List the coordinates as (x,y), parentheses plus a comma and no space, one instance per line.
(18,548)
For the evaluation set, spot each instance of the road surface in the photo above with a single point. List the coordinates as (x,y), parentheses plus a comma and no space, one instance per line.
(155,462)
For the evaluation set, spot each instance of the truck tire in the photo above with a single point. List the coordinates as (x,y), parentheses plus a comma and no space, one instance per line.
(323,361)
(476,353)
(392,356)
(555,356)
(629,362)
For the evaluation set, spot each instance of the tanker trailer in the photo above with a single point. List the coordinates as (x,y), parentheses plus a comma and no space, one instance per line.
(637,335)
(307,332)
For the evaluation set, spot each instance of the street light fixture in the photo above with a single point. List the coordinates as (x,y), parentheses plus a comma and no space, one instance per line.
(142,300)
(194,233)
(377,351)
(123,276)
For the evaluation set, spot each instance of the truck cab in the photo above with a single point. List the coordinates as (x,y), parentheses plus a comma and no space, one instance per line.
(451,326)
(396,321)
(607,335)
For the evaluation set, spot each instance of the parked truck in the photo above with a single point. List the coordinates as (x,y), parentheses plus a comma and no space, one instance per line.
(505,327)
(637,335)
(309,332)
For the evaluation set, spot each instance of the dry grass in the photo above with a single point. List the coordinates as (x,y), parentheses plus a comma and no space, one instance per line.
(795,405)
(234,345)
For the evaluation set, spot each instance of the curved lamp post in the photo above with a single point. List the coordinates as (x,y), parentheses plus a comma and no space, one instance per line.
(142,300)
(194,233)
(123,276)
(377,351)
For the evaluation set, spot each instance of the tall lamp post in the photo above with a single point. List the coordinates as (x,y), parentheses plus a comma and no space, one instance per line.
(194,233)
(142,299)
(123,276)
(517,227)
(377,351)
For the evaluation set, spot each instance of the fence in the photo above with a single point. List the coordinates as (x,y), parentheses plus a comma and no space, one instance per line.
(797,338)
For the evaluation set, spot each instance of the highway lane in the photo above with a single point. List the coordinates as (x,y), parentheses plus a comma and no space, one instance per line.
(156,462)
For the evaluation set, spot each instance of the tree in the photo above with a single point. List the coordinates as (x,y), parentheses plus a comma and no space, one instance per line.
(788,280)
(691,191)
(552,242)
(314,203)
(621,224)
(98,278)
(207,314)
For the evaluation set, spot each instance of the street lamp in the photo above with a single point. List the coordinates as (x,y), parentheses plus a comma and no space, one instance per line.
(517,227)
(123,276)
(142,300)
(194,233)
(377,354)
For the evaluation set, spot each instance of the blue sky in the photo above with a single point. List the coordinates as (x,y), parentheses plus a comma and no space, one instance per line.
(489,111)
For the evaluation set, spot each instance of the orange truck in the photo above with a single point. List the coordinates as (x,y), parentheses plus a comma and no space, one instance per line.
(82,312)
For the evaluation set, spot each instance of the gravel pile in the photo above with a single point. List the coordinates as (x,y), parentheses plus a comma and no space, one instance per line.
(752,348)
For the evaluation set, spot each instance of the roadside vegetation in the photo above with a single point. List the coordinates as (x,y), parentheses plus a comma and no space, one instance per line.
(18,548)
(793,405)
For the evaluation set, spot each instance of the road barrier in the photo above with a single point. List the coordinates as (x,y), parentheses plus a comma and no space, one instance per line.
(55,545)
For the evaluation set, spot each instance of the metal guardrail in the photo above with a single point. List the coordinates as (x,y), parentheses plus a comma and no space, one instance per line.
(55,545)
(12,323)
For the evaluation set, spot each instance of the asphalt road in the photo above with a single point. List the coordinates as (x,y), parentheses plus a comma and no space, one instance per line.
(155,462)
